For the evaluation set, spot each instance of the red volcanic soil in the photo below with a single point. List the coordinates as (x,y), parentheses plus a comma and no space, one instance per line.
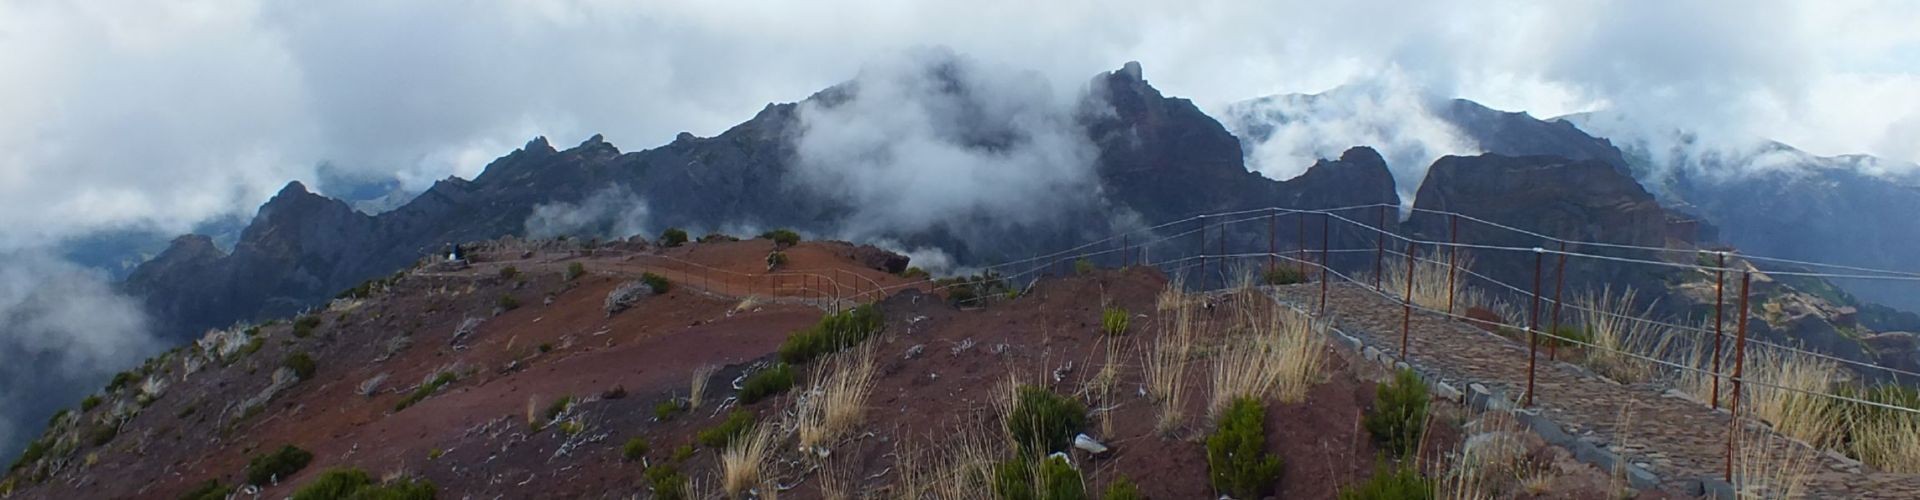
(939,370)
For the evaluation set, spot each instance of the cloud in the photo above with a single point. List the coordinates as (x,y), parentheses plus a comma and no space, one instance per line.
(63,330)
(158,114)
(1287,134)
(613,212)
(930,140)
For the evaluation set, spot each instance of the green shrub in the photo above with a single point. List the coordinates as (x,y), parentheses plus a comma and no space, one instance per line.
(635,449)
(270,468)
(658,283)
(35,450)
(1391,483)
(1083,267)
(1122,489)
(737,424)
(682,453)
(1114,321)
(102,434)
(1574,337)
(304,326)
(558,407)
(717,237)
(507,273)
(545,347)
(1399,413)
(1237,456)
(666,410)
(914,273)
(301,363)
(667,482)
(1043,422)
(426,389)
(508,303)
(768,382)
(782,238)
(435,454)
(1284,275)
(209,490)
(120,380)
(572,427)
(776,260)
(575,270)
(356,484)
(966,289)
(833,333)
(92,401)
(1013,480)
(673,237)
(253,346)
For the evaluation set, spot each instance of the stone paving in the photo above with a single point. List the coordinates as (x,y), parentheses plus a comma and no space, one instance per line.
(1679,440)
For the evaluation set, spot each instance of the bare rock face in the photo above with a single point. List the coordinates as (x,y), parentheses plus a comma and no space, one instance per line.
(1900,350)
(879,259)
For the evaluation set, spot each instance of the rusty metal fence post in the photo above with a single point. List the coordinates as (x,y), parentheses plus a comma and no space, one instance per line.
(1533,329)
(1739,370)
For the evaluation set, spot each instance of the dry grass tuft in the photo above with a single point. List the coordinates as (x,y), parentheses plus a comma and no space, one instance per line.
(1796,409)
(956,468)
(1767,465)
(836,399)
(743,463)
(1165,366)
(1885,439)
(698,391)
(1430,285)
(1278,355)
(1616,335)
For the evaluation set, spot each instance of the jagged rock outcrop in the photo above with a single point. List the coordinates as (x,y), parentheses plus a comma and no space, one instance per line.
(1158,158)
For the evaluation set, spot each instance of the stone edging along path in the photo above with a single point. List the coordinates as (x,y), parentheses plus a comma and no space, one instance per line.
(1671,442)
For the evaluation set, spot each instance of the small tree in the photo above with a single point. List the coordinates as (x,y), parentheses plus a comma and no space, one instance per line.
(1237,452)
(1399,413)
(673,237)
(782,238)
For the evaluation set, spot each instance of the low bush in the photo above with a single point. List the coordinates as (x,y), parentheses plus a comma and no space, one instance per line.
(35,450)
(1237,458)
(575,271)
(426,389)
(1083,267)
(1567,336)
(968,289)
(1391,483)
(682,453)
(666,410)
(667,482)
(209,490)
(914,273)
(507,273)
(356,484)
(1058,480)
(304,326)
(658,283)
(558,407)
(782,238)
(1122,489)
(508,303)
(673,237)
(1284,275)
(717,237)
(88,404)
(1114,321)
(635,449)
(719,436)
(776,260)
(301,364)
(1043,422)
(833,333)
(768,382)
(101,434)
(272,467)
(121,380)
(1399,413)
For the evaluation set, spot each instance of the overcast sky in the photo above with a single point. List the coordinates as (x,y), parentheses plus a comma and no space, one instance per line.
(162,112)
